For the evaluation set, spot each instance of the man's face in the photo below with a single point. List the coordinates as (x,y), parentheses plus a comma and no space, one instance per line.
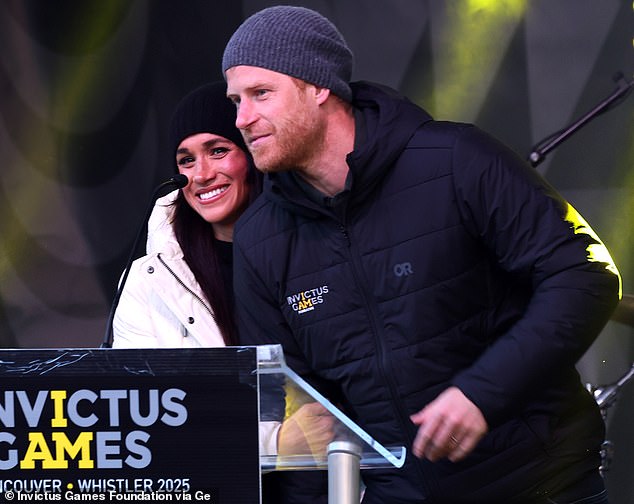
(279,117)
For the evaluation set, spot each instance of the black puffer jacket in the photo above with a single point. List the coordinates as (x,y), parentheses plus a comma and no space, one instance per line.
(450,262)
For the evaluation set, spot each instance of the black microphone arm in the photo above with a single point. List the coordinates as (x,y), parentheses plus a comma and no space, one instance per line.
(538,154)
(177,181)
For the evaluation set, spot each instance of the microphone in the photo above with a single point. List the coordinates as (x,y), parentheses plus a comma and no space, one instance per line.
(178,181)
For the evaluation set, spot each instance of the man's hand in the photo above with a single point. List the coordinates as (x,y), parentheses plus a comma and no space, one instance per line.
(450,426)
(308,431)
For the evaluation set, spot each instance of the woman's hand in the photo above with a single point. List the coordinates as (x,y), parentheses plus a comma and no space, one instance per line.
(308,431)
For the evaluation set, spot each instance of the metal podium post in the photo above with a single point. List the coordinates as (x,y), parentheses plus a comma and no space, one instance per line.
(344,458)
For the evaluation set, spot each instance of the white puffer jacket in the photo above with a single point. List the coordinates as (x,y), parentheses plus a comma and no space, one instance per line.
(162,305)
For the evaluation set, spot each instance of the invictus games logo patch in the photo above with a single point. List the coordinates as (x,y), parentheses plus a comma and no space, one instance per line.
(307,300)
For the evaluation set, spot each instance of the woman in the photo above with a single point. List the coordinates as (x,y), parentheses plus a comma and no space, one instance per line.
(180,294)
(183,285)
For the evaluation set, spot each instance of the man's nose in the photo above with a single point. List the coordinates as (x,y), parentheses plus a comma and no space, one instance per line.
(245,115)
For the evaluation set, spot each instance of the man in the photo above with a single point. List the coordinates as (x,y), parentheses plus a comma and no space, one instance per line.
(417,271)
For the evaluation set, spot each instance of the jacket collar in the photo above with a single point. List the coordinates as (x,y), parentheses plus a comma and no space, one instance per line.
(385,122)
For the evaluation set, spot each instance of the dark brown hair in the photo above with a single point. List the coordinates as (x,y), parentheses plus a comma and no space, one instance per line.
(200,250)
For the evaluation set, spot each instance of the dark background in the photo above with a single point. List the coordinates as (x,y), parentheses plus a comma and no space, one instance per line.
(87,88)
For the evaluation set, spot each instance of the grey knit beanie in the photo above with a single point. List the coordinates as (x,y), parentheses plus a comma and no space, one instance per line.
(294,41)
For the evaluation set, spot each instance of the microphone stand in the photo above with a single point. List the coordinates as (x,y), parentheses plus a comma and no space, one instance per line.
(606,397)
(539,151)
(177,181)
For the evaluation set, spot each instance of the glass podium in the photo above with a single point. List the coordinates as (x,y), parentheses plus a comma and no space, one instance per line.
(314,434)
(159,422)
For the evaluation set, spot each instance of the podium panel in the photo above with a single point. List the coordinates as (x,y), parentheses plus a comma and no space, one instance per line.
(164,424)
(312,433)
(170,424)
(285,393)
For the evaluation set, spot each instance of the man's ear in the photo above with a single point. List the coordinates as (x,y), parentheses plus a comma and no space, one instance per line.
(321,94)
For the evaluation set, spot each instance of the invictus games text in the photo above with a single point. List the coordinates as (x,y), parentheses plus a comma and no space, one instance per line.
(100,443)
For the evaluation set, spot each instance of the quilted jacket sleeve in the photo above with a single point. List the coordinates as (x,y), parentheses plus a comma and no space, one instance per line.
(542,241)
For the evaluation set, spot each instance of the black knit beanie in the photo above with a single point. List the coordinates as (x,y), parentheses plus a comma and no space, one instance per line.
(205,110)
(295,41)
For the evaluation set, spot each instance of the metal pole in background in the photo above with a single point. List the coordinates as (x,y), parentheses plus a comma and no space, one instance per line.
(344,459)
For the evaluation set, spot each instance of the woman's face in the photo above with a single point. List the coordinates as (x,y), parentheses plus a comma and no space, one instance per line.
(217,170)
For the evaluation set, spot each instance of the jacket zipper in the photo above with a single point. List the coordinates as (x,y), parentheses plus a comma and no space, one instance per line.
(385,366)
(182,284)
